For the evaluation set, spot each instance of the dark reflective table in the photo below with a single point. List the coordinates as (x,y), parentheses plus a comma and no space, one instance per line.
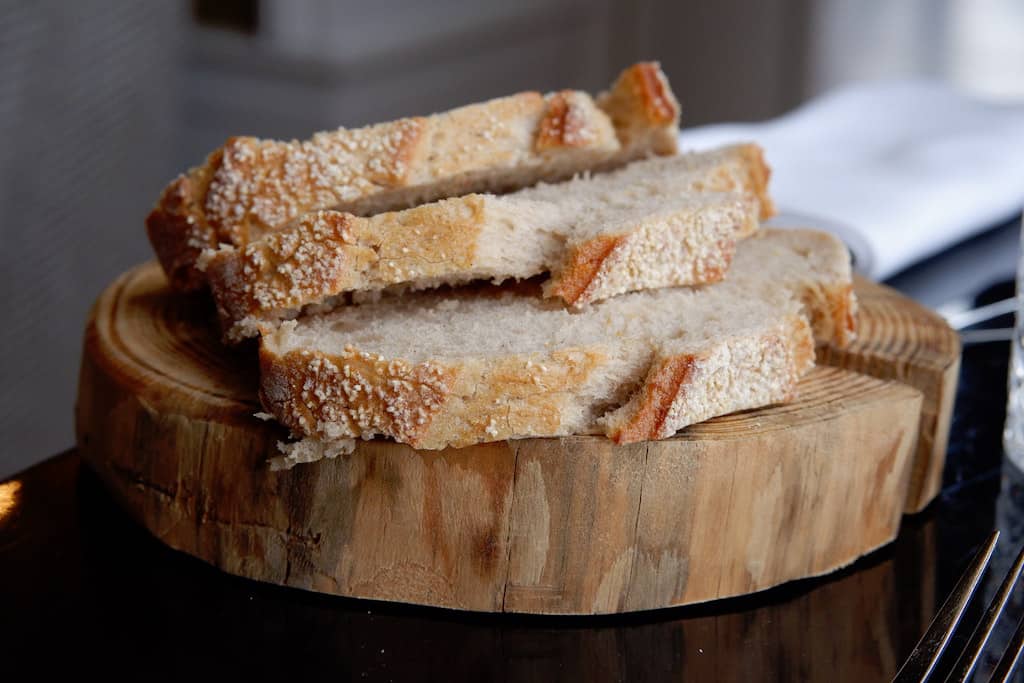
(85,591)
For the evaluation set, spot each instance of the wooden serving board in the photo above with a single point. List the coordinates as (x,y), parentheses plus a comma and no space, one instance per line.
(568,526)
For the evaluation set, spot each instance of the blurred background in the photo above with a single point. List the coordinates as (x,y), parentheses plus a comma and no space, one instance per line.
(102,103)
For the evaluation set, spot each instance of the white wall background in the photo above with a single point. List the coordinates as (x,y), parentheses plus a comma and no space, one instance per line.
(88,109)
(976,44)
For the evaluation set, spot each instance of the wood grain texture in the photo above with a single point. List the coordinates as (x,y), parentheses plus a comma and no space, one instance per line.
(902,340)
(569,526)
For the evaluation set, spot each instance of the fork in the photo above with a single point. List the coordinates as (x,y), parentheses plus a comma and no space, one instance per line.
(921,662)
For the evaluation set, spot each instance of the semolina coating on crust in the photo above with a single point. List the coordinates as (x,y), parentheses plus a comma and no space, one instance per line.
(658,222)
(736,374)
(449,371)
(251,187)
(431,404)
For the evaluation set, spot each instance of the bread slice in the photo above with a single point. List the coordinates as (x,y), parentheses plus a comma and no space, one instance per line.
(251,187)
(444,369)
(643,110)
(640,227)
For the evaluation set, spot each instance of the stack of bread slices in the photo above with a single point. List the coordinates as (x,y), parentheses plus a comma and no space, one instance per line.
(532,266)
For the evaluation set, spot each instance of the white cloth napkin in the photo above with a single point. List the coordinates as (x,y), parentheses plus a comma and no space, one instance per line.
(901,170)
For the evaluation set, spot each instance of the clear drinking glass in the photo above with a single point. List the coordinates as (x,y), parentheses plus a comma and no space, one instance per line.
(1013,433)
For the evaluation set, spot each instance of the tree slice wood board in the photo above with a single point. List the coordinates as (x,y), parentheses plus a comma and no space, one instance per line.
(901,340)
(573,525)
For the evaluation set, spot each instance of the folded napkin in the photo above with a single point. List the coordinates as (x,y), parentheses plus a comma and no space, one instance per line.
(900,170)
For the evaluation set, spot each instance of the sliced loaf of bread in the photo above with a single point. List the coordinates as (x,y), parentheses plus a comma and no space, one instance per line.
(250,187)
(454,368)
(657,222)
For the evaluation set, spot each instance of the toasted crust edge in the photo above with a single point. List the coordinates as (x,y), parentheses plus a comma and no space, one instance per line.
(417,404)
(648,415)
(329,395)
(330,254)
(644,110)
(177,226)
(604,263)
(180,228)
(843,308)
(760,174)
(314,258)
(582,265)
(430,405)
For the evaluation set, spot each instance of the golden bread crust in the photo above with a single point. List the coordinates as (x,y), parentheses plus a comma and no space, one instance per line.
(252,187)
(435,405)
(582,266)
(177,226)
(643,110)
(566,122)
(655,254)
(664,383)
(490,396)
(441,243)
(329,253)
(759,175)
(353,393)
(429,405)
(675,392)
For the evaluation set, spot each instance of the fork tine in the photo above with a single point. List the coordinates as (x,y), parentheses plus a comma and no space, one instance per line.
(928,650)
(969,657)
(1004,669)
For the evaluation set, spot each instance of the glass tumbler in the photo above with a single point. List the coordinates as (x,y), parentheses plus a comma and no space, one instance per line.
(1013,433)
